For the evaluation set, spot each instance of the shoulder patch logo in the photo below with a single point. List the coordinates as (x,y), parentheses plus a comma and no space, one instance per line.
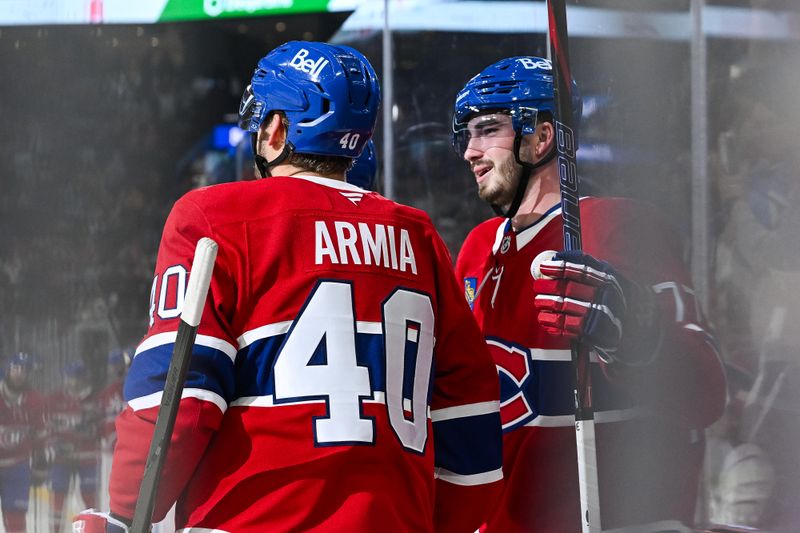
(470,290)
(506,244)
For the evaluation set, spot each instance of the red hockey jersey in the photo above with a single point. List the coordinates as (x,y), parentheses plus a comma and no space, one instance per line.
(21,424)
(649,419)
(339,381)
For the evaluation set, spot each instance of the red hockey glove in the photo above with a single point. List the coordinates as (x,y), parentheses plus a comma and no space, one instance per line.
(91,521)
(581,297)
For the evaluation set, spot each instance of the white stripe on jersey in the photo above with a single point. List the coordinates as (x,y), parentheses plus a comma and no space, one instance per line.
(375,328)
(541,354)
(468,480)
(281,328)
(263,332)
(154,399)
(463,411)
(269,401)
(202,340)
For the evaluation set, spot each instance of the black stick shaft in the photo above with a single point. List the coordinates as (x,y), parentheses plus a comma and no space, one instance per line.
(159,446)
(570,209)
(196,293)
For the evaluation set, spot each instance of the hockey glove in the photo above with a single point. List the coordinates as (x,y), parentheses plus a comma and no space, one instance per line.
(583,298)
(91,521)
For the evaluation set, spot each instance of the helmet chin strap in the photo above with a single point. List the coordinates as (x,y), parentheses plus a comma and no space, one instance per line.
(524,178)
(264,166)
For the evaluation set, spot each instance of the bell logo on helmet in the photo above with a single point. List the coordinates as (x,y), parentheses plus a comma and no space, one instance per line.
(310,66)
(532,63)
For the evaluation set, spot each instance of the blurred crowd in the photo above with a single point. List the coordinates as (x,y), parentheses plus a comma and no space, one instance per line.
(89,152)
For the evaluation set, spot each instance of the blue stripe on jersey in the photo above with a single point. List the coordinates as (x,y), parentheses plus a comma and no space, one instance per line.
(369,353)
(254,364)
(453,452)
(253,367)
(549,389)
(209,369)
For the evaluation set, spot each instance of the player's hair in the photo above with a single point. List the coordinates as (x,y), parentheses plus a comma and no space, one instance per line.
(320,164)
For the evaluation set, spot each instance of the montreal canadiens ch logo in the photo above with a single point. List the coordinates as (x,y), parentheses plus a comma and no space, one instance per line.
(514,368)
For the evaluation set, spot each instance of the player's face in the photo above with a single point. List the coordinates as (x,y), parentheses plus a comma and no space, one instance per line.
(17,376)
(73,385)
(490,153)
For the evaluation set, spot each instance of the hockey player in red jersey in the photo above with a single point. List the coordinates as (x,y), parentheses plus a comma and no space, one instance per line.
(339,381)
(111,398)
(21,430)
(656,376)
(73,422)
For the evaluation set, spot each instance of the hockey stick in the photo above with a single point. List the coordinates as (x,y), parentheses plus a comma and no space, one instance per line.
(570,212)
(199,280)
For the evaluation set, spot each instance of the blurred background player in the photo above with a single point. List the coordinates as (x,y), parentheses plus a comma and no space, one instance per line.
(111,402)
(21,429)
(657,381)
(73,431)
(365,168)
(316,398)
(111,399)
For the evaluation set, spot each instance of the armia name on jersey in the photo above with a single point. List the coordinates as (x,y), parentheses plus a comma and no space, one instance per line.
(344,243)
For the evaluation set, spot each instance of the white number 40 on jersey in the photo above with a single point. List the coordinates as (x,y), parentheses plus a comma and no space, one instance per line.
(328,318)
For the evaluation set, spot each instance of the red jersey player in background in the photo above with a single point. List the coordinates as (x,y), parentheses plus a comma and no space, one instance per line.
(657,380)
(339,381)
(21,430)
(111,399)
(73,424)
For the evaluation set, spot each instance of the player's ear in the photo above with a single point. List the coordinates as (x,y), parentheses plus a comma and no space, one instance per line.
(545,136)
(272,132)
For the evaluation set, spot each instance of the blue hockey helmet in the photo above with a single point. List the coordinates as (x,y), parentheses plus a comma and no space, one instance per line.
(75,369)
(365,168)
(329,93)
(521,86)
(120,357)
(21,359)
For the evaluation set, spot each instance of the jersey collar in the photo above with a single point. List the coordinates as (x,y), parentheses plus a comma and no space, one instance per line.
(332,183)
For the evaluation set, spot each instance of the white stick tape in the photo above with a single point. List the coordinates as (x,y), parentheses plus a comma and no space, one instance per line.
(199,280)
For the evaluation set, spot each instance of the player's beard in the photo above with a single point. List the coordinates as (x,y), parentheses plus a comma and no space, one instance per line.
(500,188)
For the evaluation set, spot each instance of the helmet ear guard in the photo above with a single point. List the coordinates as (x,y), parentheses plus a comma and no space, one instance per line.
(365,168)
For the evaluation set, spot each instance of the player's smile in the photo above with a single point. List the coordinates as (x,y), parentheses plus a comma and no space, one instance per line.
(480,169)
